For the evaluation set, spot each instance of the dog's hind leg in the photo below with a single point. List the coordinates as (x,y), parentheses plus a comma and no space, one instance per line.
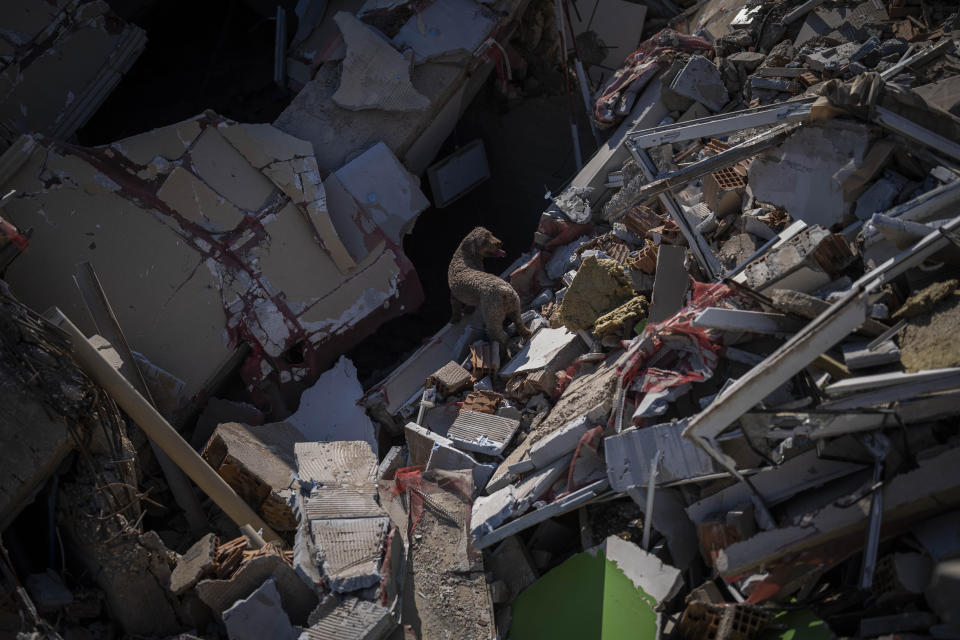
(493,320)
(515,316)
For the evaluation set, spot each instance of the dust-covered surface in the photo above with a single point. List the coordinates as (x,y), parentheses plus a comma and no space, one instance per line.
(447,595)
(929,341)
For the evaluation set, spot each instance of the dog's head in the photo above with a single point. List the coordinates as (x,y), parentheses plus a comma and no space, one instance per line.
(480,242)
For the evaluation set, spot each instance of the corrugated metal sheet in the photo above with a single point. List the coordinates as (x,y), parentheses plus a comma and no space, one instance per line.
(482,432)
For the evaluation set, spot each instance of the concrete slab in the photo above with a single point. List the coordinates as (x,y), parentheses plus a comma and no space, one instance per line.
(805,174)
(629,454)
(260,615)
(375,75)
(701,81)
(389,193)
(329,411)
(193,564)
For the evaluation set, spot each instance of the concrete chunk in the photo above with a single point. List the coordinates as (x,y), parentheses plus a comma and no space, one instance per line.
(700,80)
(559,443)
(349,550)
(258,462)
(375,75)
(192,565)
(489,512)
(259,616)
(805,174)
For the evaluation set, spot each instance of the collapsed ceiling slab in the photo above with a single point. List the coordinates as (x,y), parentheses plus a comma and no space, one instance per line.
(213,233)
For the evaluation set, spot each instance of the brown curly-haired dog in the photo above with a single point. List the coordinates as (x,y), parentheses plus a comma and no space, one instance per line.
(471,286)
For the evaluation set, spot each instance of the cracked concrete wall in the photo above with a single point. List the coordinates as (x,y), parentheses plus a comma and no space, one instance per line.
(205,233)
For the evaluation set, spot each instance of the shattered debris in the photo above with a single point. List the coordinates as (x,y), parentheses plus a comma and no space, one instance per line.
(726,406)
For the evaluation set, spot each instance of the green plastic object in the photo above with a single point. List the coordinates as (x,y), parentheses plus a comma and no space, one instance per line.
(588,596)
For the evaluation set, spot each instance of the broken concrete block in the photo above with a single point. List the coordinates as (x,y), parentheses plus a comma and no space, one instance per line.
(482,432)
(832,58)
(539,482)
(737,249)
(389,193)
(599,287)
(700,80)
(943,592)
(349,619)
(723,191)
(329,410)
(670,287)
(748,60)
(260,615)
(806,262)
(943,93)
(804,175)
(298,599)
(859,355)
(559,443)
(258,462)
(617,575)
(436,452)
(451,378)
(349,550)
(194,564)
(375,75)
(489,512)
(630,453)
(879,196)
(551,349)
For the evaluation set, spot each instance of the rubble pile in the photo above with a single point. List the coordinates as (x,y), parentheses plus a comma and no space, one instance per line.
(735,415)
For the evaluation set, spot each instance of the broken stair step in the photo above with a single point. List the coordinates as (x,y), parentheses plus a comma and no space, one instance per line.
(482,432)
(328,503)
(349,550)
